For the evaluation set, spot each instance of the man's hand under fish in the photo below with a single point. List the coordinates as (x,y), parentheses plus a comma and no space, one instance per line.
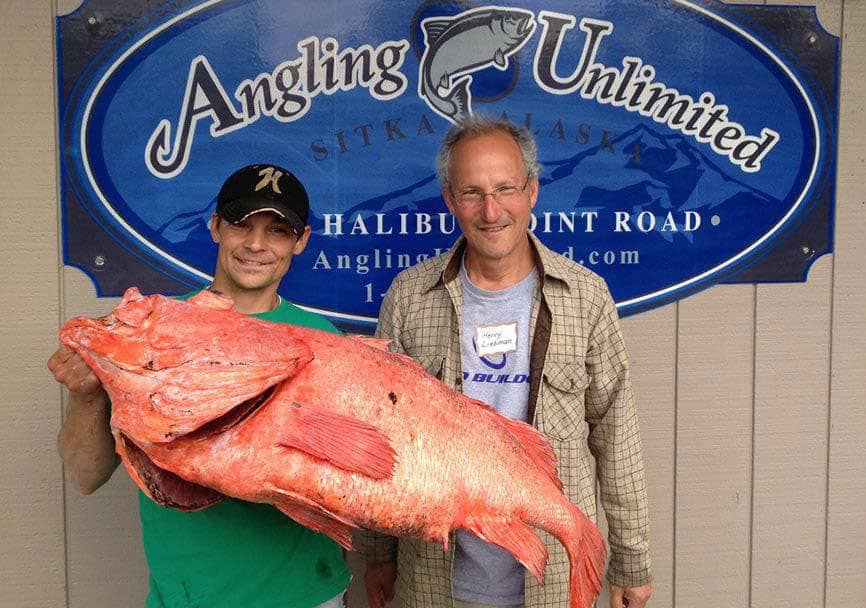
(72,371)
(336,432)
(85,442)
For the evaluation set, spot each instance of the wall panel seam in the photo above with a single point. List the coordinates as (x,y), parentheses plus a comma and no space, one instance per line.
(829,426)
(676,461)
(61,295)
(832,326)
(752,452)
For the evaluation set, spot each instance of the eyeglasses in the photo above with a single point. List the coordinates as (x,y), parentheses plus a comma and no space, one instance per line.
(503,195)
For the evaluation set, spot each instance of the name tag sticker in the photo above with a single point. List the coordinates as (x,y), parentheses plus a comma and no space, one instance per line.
(496,339)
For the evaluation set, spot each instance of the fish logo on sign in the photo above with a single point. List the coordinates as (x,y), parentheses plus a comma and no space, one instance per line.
(466,43)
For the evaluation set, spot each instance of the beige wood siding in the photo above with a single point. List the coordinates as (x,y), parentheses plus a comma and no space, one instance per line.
(32,549)
(752,398)
(845,582)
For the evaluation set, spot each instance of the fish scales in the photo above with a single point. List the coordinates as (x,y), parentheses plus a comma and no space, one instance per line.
(335,431)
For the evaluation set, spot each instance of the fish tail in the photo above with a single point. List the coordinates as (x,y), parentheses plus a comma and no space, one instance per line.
(586,554)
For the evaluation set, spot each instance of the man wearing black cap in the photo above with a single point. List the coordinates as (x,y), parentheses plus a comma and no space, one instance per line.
(259,224)
(234,553)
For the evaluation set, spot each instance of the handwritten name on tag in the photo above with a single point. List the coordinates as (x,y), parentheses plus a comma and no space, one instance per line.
(496,339)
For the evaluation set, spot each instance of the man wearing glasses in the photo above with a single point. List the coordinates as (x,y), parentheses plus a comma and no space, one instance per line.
(507,321)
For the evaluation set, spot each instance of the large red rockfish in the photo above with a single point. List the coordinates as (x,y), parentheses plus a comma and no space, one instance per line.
(336,432)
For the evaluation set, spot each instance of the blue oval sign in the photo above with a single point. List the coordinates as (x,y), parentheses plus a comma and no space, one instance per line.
(680,142)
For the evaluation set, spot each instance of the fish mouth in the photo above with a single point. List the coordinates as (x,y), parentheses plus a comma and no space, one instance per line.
(169,489)
(234,417)
(164,487)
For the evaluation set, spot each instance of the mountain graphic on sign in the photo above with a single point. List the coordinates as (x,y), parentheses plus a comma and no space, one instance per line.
(189,227)
(643,170)
(422,196)
(646,171)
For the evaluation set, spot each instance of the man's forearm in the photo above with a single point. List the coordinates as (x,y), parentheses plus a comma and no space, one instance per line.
(85,442)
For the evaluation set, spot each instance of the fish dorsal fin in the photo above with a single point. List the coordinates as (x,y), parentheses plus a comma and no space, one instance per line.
(537,447)
(533,442)
(134,311)
(407,360)
(377,343)
(343,441)
(433,28)
(382,344)
(132,294)
(211,299)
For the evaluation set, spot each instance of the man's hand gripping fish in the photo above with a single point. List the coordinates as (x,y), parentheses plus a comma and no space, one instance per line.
(337,433)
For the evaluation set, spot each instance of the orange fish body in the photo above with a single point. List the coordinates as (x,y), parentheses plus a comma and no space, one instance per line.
(336,432)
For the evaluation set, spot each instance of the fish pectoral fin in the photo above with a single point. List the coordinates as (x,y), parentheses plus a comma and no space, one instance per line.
(499,59)
(433,29)
(134,308)
(315,517)
(514,536)
(377,343)
(343,441)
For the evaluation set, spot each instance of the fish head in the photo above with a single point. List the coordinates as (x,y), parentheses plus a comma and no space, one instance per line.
(516,25)
(172,368)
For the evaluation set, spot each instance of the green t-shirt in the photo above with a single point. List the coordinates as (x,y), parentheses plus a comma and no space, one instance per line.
(237,554)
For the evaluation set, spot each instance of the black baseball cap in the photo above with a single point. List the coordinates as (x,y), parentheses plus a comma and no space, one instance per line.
(257,188)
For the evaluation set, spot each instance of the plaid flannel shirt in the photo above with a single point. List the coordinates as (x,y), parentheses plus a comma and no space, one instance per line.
(580,398)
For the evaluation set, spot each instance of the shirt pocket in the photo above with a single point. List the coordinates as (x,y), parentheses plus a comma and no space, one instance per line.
(562,413)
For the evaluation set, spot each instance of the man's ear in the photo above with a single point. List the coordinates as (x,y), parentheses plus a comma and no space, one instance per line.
(533,192)
(214,225)
(301,244)
(449,200)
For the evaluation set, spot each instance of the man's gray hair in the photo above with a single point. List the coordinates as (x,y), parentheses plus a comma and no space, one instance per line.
(481,124)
